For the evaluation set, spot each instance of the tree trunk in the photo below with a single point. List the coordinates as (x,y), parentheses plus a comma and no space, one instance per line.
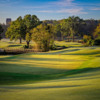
(68,39)
(62,38)
(28,42)
(73,37)
(20,40)
(53,37)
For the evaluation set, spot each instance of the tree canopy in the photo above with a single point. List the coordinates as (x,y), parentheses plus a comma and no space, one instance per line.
(1,30)
(22,26)
(71,26)
(30,21)
(30,28)
(41,36)
(97,32)
(16,30)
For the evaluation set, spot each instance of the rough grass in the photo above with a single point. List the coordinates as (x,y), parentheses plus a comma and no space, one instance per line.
(68,74)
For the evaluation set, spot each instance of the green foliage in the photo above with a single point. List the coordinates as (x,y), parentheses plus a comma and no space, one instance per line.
(86,38)
(41,35)
(71,26)
(27,47)
(64,29)
(88,41)
(30,22)
(57,30)
(52,45)
(16,29)
(96,33)
(76,25)
(28,37)
(20,28)
(1,30)
(97,41)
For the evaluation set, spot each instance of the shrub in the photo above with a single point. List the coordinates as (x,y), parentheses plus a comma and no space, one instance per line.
(25,47)
(80,41)
(41,35)
(97,41)
(87,40)
(90,42)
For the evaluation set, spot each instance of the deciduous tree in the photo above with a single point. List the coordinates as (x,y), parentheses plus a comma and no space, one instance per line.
(41,36)
(16,30)
(30,21)
(1,30)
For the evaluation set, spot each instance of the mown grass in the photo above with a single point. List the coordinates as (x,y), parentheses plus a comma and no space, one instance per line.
(68,44)
(43,66)
(68,74)
(80,86)
(49,65)
(7,44)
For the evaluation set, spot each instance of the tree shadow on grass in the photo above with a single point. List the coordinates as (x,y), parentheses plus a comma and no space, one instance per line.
(42,87)
(92,53)
(64,51)
(14,45)
(8,78)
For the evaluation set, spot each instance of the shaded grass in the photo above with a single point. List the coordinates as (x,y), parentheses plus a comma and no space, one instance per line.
(34,67)
(7,44)
(73,87)
(4,43)
(85,51)
(50,75)
(8,78)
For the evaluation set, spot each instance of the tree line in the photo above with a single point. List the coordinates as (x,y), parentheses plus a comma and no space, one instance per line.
(43,33)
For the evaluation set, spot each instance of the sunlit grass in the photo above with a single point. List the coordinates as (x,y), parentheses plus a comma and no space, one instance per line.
(51,62)
(84,88)
(94,63)
(87,51)
(1,56)
(68,44)
(7,44)
(68,74)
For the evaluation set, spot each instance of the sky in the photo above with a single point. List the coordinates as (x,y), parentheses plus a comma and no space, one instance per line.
(49,9)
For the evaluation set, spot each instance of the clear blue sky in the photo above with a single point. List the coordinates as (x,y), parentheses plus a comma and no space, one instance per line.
(49,9)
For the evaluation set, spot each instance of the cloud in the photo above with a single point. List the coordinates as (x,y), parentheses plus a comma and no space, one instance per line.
(60,3)
(35,7)
(59,6)
(69,11)
(8,2)
(46,11)
(72,11)
(65,6)
(64,3)
(95,8)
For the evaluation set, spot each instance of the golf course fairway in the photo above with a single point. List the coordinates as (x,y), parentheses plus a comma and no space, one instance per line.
(68,74)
